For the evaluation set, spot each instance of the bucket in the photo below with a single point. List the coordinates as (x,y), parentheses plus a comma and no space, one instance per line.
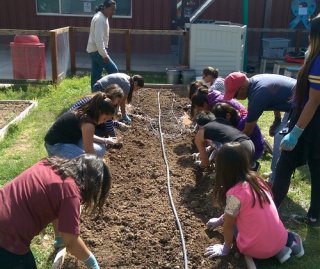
(173,76)
(188,76)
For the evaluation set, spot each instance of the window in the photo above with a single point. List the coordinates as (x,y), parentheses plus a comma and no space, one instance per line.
(80,7)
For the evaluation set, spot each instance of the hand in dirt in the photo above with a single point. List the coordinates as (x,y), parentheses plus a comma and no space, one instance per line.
(123,126)
(199,165)
(111,140)
(91,262)
(217,250)
(126,119)
(214,223)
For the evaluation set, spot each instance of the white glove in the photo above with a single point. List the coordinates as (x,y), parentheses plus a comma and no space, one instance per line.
(214,223)
(217,250)
(195,156)
(110,140)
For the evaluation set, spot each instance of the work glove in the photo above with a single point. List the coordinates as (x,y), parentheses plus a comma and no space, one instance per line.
(290,140)
(217,250)
(126,119)
(91,262)
(214,223)
(195,156)
(110,140)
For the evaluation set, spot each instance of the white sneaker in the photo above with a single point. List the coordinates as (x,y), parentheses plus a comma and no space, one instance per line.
(284,254)
(267,174)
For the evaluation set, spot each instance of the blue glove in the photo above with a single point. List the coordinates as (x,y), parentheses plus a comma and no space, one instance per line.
(58,242)
(290,140)
(91,262)
(126,119)
(217,250)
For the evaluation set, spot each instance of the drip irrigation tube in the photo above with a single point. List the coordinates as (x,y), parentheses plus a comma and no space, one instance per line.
(184,249)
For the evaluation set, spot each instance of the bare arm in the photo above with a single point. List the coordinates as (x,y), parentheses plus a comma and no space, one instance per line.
(123,105)
(228,227)
(249,127)
(309,109)
(200,143)
(76,246)
(87,130)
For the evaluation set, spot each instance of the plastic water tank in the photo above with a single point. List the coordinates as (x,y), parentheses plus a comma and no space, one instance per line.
(28,57)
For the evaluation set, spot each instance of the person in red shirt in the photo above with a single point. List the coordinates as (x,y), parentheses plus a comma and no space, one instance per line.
(51,189)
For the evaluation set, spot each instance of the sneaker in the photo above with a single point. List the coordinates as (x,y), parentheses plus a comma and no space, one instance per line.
(276,123)
(297,246)
(315,223)
(284,254)
(256,166)
(267,174)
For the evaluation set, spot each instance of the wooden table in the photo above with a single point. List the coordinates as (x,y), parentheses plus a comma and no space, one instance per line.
(264,62)
(291,71)
(279,64)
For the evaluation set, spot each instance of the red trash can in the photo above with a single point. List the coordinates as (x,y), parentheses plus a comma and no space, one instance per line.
(28,57)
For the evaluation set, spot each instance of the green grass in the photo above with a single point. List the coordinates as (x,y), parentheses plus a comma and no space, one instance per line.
(24,146)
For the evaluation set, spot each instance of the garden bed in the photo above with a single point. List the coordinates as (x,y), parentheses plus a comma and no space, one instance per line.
(137,228)
(12,111)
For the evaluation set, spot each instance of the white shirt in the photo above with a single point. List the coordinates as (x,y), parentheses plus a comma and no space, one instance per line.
(99,34)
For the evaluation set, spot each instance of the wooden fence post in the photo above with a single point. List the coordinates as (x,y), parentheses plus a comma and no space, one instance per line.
(54,60)
(128,50)
(72,49)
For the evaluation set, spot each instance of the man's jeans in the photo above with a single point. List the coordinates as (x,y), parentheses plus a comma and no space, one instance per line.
(276,145)
(97,66)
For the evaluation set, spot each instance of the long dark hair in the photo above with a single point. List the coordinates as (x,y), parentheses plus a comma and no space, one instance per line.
(134,79)
(232,167)
(106,4)
(91,175)
(195,86)
(221,109)
(302,87)
(98,105)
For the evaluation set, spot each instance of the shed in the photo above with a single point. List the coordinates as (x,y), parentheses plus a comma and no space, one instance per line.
(219,44)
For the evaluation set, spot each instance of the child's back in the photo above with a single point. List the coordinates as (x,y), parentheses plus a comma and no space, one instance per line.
(261,233)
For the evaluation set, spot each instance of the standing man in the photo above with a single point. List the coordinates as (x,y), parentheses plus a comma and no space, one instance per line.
(98,41)
(265,92)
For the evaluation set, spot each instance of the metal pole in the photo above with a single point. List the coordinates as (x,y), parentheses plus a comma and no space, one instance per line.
(245,21)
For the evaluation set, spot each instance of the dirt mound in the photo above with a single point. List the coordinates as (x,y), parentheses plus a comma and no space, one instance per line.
(137,228)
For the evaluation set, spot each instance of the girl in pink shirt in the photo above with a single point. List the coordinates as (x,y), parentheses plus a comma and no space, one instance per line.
(248,207)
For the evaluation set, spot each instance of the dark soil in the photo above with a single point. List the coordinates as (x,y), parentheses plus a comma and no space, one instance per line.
(137,228)
(9,110)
